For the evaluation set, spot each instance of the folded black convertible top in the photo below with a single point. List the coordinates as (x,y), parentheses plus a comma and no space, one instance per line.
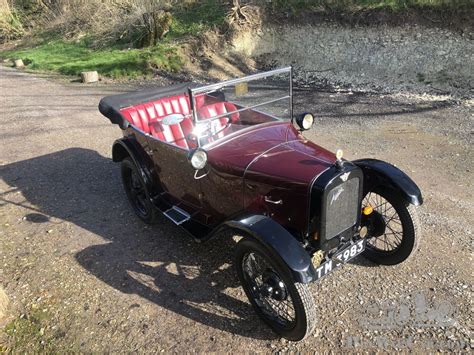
(110,106)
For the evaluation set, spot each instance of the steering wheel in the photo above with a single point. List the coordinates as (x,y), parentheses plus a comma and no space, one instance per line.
(207,132)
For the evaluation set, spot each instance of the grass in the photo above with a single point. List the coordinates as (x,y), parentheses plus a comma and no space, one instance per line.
(72,58)
(29,331)
(296,6)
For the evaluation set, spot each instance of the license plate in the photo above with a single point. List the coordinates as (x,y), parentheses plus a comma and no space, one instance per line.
(340,258)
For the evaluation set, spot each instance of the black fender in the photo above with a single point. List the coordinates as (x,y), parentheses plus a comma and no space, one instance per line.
(129,147)
(277,239)
(377,172)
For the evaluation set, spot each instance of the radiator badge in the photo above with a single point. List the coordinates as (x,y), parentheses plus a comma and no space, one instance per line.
(344,177)
(337,192)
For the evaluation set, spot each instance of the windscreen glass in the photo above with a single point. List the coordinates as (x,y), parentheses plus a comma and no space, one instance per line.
(224,108)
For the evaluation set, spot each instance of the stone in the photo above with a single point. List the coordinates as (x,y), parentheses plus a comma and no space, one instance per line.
(18,63)
(89,77)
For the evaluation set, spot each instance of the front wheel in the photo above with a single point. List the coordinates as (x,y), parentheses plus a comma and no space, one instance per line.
(285,305)
(393,227)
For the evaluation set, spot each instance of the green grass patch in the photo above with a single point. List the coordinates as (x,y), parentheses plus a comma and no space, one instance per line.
(29,332)
(296,6)
(72,58)
(193,19)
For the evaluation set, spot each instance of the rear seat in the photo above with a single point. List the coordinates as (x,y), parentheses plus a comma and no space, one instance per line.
(147,117)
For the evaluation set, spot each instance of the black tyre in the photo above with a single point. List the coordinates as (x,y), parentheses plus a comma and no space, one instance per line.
(137,193)
(285,305)
(393,227)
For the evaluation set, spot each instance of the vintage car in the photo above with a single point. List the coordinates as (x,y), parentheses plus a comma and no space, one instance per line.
(232,157)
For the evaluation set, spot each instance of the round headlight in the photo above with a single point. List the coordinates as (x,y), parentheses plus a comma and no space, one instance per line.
(305,121)
(199,159)
(308,120)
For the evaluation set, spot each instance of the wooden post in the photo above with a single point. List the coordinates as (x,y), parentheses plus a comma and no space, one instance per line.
(89,77)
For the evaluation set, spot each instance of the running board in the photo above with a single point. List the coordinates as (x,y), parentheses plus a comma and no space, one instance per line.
(177,215)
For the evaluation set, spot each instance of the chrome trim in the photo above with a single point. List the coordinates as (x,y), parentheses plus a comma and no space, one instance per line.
(216,86)
(266,151)
(184,214)
(291,93)
(279,202)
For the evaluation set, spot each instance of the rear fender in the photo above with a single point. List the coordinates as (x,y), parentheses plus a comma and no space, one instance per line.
(127,147)
(377,172)
(279,241)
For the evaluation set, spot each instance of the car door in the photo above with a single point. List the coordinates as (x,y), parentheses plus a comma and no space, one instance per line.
(176,175)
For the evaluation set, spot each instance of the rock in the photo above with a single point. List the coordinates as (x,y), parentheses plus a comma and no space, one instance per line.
(19,63)
(4,301)
(89,77)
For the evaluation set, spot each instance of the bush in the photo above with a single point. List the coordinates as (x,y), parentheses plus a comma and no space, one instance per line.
(10,24)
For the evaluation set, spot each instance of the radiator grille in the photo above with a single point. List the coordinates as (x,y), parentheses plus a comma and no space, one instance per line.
(342,207)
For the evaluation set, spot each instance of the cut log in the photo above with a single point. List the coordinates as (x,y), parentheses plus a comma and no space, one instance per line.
(19,63)
(89,77)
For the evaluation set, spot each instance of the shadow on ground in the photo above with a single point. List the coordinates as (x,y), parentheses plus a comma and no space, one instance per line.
(159,263)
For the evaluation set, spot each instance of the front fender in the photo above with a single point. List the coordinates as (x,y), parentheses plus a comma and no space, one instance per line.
(377,172)
(279,240)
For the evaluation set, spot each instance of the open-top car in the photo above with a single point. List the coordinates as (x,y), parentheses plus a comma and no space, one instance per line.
(231,157)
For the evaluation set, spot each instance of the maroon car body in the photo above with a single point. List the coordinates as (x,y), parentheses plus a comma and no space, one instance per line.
(261,178)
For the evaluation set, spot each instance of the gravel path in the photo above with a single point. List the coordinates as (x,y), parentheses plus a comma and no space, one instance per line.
(83,274)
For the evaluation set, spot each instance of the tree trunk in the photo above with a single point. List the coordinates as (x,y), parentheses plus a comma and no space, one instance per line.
(157,24)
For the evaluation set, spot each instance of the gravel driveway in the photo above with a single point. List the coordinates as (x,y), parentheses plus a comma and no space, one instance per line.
(83,274)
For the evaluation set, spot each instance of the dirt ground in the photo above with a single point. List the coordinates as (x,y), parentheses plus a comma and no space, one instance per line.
(83,274)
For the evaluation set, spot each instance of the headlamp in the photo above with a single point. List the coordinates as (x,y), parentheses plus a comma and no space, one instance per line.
(198,158)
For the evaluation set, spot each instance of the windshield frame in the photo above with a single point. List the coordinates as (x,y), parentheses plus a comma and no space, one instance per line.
(220,85)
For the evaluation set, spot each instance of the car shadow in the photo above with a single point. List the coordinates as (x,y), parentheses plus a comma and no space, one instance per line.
(159,263)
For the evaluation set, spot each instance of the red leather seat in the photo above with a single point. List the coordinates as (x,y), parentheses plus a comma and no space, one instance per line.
(147,117)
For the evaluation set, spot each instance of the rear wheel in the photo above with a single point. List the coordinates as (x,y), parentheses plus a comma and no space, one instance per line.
(136,192)
(393,227)
(286,306)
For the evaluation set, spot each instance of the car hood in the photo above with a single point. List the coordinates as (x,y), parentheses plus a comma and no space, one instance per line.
(277,182)
(270,162)
(274,150)
(294,162)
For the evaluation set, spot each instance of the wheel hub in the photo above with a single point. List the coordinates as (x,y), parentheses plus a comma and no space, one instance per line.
(375,224)
(273,287)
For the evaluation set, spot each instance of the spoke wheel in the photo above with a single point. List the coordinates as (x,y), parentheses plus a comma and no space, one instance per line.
(268,290)
(392,227)
(286,306)
(136,192)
